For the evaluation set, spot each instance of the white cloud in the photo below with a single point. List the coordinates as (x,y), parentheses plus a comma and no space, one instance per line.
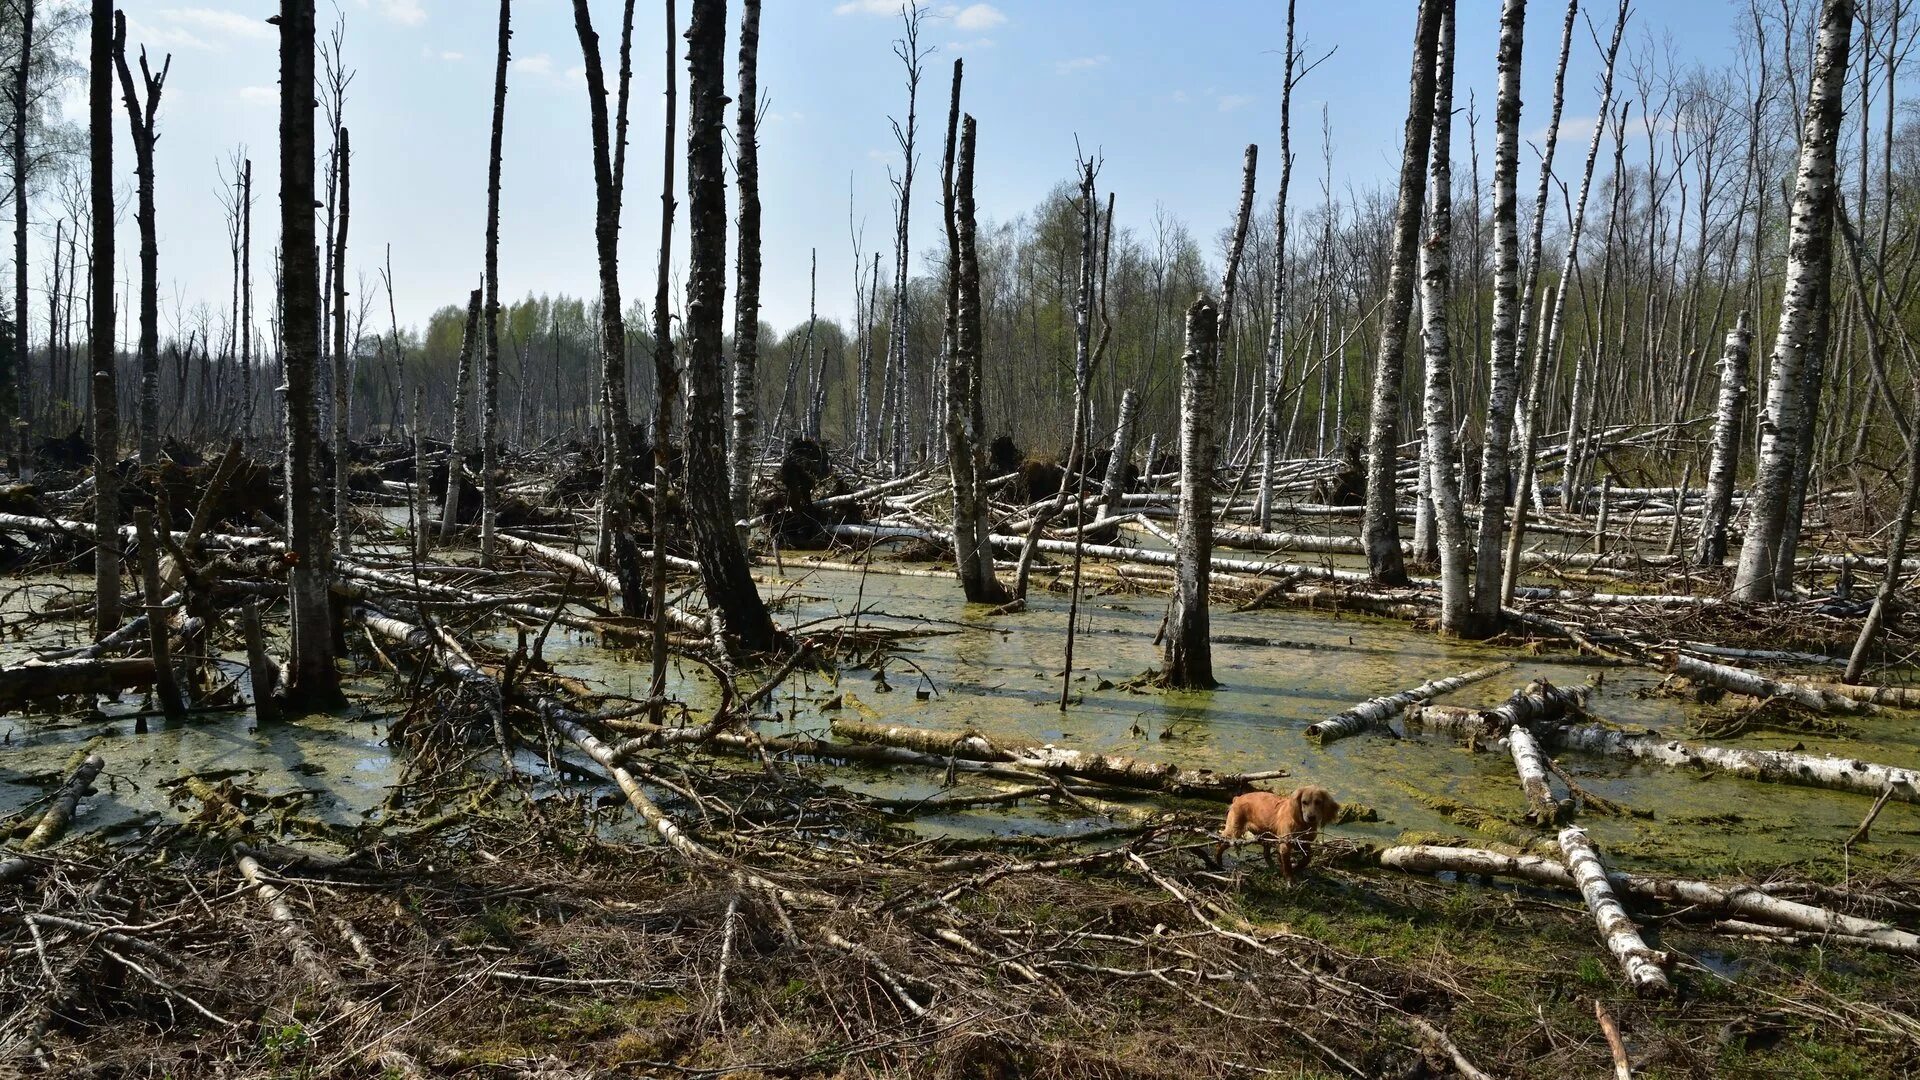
(428,52)
(1079,63)
(1230,102)
(1180,97)
(219,22)
(574,74)
(404,12)
(978,17)
(869,7)
(975,44)
(538,65)
(260,95)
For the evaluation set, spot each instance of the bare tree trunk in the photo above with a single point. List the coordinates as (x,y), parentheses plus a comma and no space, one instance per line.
(1724,466)
(908,49)
(246,299)
(101,348)
(1436,297)
(14,379)
(490,366)
(1546,352)
(666,384)
(1809,259)
(1381,527)
(1188,649)
(312,675)
(342,382)
(1276,358)
(963,420)
(746,301)
(140,119)
(723,561)
(1896,555)
(1509,307)
(462,434)
(1116,478)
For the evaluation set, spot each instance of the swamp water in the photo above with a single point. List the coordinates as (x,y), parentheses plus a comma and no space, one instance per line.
(1279,671)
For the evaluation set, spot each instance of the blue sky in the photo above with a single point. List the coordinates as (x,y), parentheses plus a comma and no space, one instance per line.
(1169,93)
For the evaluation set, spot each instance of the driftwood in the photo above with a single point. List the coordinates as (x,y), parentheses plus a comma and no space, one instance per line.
(1752,684)
(1111,769)
(1644,967)
(1376,712)
(1739,901)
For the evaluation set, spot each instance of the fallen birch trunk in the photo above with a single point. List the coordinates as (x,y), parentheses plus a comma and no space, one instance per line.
(1378,711)
(1753,684)
(1644,967)
(1741,901)
(1531,764)
(1899,697)
(1112,769)
(1773,766)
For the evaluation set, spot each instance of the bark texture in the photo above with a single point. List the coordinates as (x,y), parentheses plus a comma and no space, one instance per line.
(723,561)
(1436,293)
(1381,528)
(1724,466)
(490,367)
(141,122)
(1188,651)
(1809,261)
(746,302)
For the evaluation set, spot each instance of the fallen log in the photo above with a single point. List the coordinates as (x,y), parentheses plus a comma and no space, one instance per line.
(53,824)
(1773,766)
(1378,711)
(1531,764)
(31,680)
(1644,967)
(1753,684)
(1112,769)
(1899,697)
(1741,901)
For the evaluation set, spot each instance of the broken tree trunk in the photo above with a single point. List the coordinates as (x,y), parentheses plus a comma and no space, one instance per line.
(1753,684)
(1532,765)
(165,685)
(1380,710)
(1775,766)
(1643,966)
(1188,655)
(1724,465)
(462,434)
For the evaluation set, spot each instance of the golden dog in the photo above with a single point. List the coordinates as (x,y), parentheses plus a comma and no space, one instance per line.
(1293,820)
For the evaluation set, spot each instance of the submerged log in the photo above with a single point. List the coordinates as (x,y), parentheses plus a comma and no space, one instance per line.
(1753,684)
(21,683)
(1644,966)
(1111,769)
(1742,901)
(1378,711)
(53,824)
(1531,764)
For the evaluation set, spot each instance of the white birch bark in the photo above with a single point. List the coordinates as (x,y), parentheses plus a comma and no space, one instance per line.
(1188,652)
(1643,965)
(1724,465)
(1378,711)
(1115,482)
(1809,259)
(1443,488)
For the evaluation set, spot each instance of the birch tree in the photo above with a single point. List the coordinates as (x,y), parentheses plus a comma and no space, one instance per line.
(746,302)
(1790,398)
(723,561)
(1381,526)
(1187,651)
(1435,302)
(490,366)
(1723,465)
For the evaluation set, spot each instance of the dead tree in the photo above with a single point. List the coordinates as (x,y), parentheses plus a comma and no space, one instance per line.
(723,560)
(1277,332)
(342,355)
(1724,465)
(1381,526)
(1187,650)
(1115,483)
(965,419)
(911,55)
(14,392)
(1792,395)
(666,383)
(140,119)
(746,301)
(490,366)
(102,353)
(462,434)
(311,672)
(1436,293)
(609,165)
(246,297)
